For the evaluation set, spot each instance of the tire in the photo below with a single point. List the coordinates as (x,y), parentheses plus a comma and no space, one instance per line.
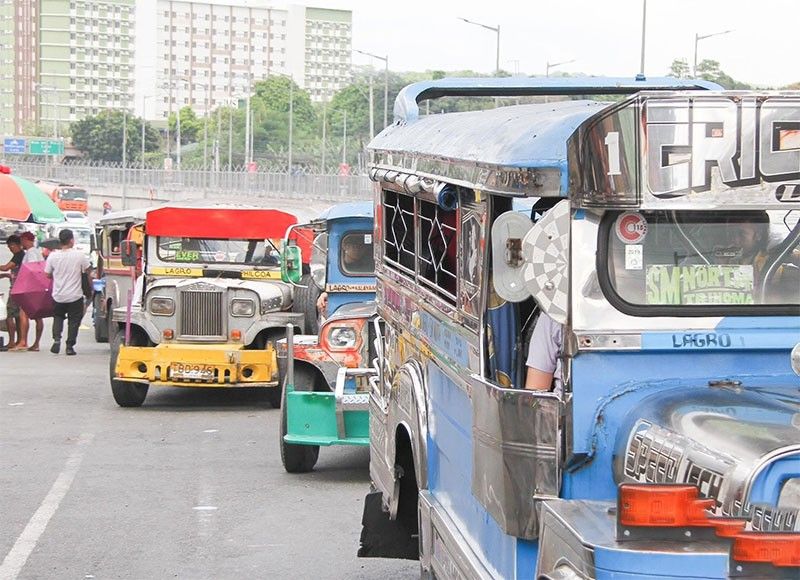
(112,328)
(126,394)
(297,458)
(275,397)
(100,323)
(304,301)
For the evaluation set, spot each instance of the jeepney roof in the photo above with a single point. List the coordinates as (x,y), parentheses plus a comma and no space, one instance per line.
(123,216)
(522,136)
(348,210)
(218,222)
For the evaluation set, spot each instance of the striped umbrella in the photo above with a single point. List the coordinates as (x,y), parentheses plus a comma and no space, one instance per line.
(21,200)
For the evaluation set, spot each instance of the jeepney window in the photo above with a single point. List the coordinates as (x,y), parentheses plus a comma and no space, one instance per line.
(116,236)
(356,256)
(438,248)
(217,251)
(688,261)
(72,194)
(399,231)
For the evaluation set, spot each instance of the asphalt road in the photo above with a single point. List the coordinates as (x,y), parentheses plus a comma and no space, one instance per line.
(189,486)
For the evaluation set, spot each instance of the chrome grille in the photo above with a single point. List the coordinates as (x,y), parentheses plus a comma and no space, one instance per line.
(653,455)
(201,314)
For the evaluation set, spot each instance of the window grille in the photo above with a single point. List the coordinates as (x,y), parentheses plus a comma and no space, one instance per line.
(400,246)
(437,252)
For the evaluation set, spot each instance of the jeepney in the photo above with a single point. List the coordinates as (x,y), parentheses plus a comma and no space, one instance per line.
(112,282)
(212,303)
(325,394)
(668,445)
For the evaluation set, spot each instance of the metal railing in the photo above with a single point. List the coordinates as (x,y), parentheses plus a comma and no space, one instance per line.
(189,183)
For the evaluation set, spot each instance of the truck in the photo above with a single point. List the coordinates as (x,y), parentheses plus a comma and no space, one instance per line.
(603,388)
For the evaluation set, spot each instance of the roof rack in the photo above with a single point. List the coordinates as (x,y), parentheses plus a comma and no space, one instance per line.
(406,106)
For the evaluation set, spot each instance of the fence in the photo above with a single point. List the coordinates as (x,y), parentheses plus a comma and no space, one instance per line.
(176,185)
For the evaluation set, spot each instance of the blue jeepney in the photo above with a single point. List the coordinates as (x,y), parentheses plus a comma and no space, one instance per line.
(325,385)
(664,266)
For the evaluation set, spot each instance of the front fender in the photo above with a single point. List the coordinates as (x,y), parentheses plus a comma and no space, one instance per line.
(407,412)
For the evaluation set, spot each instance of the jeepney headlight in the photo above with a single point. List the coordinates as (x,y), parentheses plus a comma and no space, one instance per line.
(162,306)
(342,337)
(243,307)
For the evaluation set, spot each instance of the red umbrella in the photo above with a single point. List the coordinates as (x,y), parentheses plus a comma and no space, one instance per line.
(32,290)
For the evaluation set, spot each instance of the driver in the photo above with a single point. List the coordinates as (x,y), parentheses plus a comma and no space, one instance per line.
(356,259)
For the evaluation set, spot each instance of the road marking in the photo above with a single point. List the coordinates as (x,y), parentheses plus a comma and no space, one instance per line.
(204,508)
(26,542)
(211,431)
(15,404)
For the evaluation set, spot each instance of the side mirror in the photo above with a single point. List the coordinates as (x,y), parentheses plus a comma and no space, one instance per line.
(291,264)
(129,253)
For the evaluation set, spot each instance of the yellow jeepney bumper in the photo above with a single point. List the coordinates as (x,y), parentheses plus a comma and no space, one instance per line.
(198,365)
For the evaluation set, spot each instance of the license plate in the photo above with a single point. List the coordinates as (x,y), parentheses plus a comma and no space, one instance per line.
(192,372)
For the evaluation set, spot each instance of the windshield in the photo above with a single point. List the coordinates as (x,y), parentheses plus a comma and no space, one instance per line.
(72,193)
(356,254)
(81,235)
(701,259)
(212,251)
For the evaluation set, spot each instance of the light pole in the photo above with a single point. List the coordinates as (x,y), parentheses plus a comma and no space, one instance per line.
(697,39)
(385,60)
(496,30)
(644,30)
(550,65)
(144,125)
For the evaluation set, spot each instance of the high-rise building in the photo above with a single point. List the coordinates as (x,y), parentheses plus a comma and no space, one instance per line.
(61,60)
(211,53)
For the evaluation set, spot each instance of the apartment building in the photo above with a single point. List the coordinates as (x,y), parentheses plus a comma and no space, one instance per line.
(61,60)
(209,54)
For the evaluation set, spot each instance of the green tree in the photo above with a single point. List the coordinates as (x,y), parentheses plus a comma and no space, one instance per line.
(191,126)
(710,70)
(100,137)
(680,69)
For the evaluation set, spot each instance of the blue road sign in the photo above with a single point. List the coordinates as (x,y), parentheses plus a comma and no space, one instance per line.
(12,145)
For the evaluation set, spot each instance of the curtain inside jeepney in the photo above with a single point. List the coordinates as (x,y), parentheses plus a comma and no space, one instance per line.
(502,330)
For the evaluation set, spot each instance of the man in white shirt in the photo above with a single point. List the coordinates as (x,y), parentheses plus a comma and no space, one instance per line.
(544,355)
(65,268)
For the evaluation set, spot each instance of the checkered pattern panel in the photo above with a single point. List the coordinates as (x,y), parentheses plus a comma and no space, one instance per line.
(546,251)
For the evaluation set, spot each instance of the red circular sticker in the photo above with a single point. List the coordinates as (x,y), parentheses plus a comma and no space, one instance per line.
(631,227)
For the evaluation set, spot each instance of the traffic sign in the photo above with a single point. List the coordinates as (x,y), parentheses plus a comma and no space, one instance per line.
(46,147)
(12,145)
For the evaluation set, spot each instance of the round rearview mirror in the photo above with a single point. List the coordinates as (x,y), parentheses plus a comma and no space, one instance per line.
(796,358)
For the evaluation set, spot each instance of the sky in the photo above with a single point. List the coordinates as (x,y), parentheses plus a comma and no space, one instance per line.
(603,37)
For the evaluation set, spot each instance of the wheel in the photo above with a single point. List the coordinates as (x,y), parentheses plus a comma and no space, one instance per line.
(304,301)
(275,396)
(126,394)
(112,328)
(100,323)
(297,458)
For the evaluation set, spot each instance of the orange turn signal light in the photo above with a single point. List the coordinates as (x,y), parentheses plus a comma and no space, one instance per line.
(777,548)
(236,335)
(168,334)
(662,506)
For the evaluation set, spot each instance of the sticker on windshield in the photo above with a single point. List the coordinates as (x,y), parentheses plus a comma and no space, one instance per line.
(699,284)
(634,257)
(187,256)
(631,227)
(219,256)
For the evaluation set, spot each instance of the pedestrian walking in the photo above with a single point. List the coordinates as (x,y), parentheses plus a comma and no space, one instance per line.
(10,270)
(65,267)
(32,254)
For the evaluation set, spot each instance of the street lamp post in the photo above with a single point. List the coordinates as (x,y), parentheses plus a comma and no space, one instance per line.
(496,30)
(644,30)
(385,60)
(697,39)
(550,65)
(144,125)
